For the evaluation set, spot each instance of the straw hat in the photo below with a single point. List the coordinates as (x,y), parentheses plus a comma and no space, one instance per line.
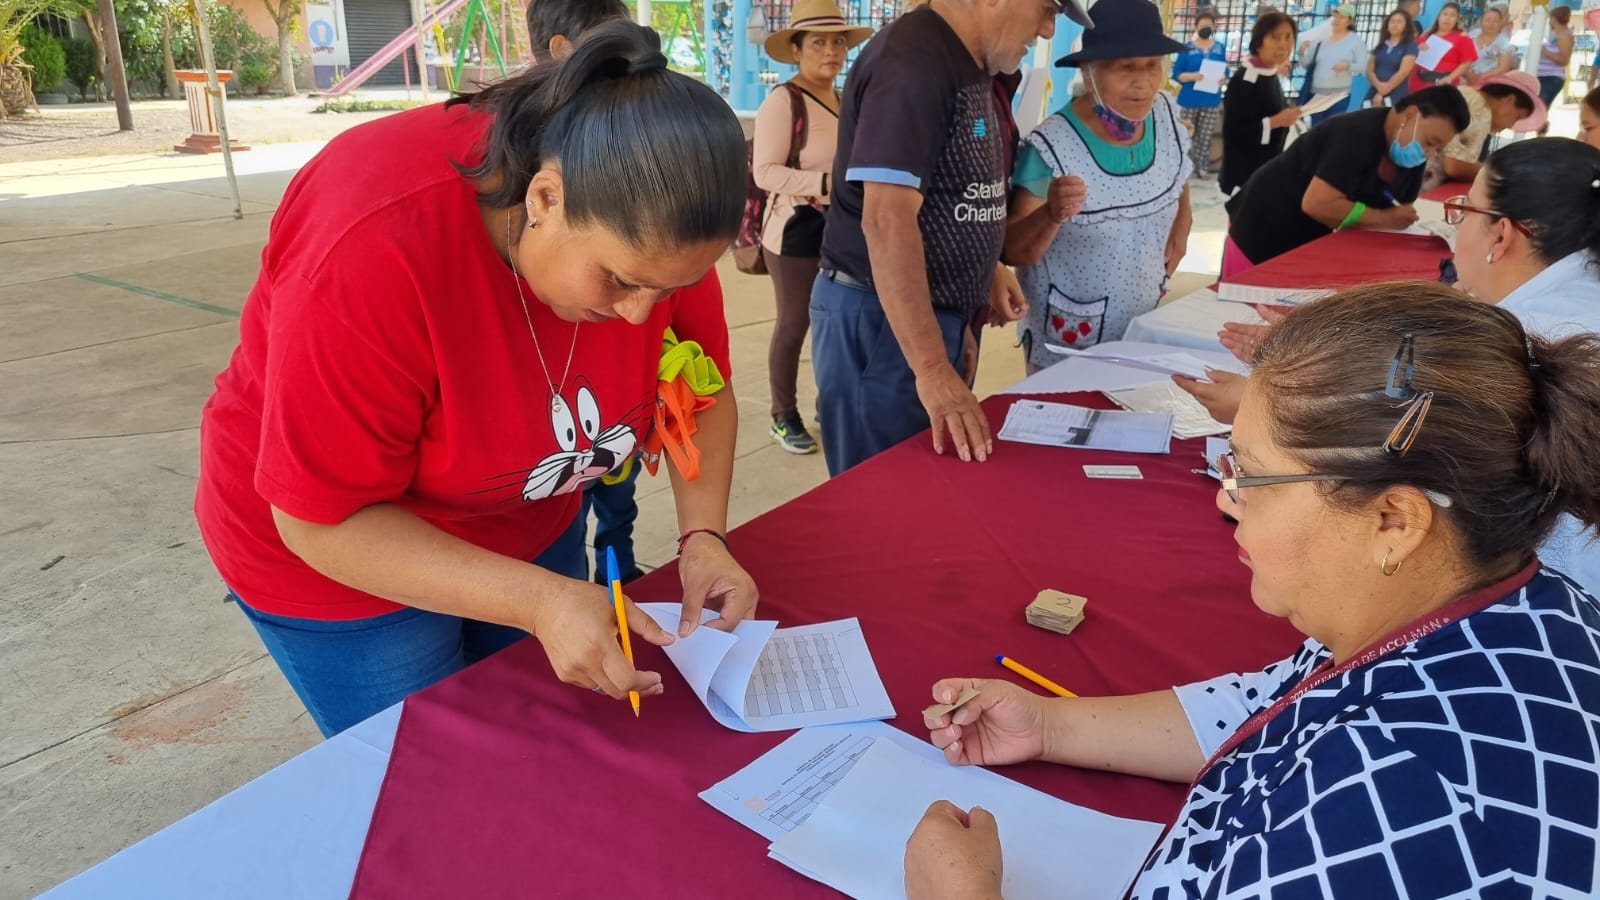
(812,15)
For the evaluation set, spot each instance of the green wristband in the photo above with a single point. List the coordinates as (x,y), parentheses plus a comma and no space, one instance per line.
(1353,216)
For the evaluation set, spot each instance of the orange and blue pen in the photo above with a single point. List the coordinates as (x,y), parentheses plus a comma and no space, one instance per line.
(1033,676)
(615,578)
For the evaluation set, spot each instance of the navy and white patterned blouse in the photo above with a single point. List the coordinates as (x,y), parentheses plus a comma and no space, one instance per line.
(1466,764)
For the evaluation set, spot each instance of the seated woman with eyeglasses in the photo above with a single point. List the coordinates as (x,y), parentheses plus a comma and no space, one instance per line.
(1392,474)
(1528,239)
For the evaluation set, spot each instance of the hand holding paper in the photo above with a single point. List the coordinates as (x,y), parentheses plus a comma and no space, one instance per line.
(1003,724)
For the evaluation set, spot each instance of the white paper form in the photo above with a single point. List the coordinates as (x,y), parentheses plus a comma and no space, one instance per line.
(1062,425)
(1213,74)
(1431,52)
(1189,416)
(778,791)
(854,839)
(764,678)
(1176,363)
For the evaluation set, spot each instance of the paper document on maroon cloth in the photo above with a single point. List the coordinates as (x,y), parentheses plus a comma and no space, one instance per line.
(765,678)
(838,801)
(505,783)
(1337,261)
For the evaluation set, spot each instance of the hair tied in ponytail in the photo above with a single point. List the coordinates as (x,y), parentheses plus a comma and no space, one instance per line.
(656,60)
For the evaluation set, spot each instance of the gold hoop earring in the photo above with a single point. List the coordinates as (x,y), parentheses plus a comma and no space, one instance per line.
(1384,566)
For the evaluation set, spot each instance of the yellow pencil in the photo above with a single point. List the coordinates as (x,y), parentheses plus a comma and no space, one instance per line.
(613,576)
(1033,676)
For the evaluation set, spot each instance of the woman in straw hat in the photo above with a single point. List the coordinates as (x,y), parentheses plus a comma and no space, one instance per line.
(797,129)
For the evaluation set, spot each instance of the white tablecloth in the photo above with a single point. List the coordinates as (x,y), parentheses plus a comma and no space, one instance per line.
(1191,321)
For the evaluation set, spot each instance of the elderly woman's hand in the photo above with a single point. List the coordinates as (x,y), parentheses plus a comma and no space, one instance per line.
(1220,396)
(1243,339)
(1007,302)
(954,855)
(1067,196)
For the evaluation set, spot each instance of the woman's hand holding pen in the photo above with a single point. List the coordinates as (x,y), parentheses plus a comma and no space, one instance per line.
(578,628)
(1004,724)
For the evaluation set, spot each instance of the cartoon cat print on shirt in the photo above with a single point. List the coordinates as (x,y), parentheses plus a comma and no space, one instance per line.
(587,452)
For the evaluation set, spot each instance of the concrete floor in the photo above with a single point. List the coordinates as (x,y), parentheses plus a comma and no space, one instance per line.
(135,693)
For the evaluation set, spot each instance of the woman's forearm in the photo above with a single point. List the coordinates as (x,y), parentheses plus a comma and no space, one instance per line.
(703,502)
(391,553)
(1138,734)
(1029,236)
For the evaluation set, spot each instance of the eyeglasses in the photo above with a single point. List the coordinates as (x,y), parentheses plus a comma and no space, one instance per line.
(1233,482)
(1456,209)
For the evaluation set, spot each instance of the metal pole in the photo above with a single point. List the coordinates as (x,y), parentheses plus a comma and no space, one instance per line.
(218,110)
(1538,28)
(422,55)
(642,14)
(118,75)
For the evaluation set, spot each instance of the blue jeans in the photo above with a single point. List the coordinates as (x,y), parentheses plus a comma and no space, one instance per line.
(866,392)
(346,671)
(615,511)
(1550,87)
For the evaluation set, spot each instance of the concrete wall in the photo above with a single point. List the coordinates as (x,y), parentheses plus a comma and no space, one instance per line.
(260,19)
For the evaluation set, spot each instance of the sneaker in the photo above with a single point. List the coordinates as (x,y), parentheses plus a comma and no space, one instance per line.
(791,435)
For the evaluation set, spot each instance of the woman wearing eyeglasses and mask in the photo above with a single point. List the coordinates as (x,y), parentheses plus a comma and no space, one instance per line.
(1398,456)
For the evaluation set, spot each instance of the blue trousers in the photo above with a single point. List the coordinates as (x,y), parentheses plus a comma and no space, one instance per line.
(346,671)
(866,393)
(615,511)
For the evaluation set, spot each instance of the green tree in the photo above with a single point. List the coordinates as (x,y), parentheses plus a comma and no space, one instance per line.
(284,15)
(46,60)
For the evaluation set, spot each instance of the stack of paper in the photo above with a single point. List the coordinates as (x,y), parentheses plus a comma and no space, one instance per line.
(1063,425)
(1189,417)
(840,802)
(1177,363)
(764,678)
(1268,295)
(1056,611)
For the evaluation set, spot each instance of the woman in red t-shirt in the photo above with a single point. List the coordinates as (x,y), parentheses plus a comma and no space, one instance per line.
(1453,66)
(457,325)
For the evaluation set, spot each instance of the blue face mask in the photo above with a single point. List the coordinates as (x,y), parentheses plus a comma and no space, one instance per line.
(1121,127)
(1410,154)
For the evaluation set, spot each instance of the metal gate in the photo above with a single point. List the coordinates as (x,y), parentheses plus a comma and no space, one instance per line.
(370,24)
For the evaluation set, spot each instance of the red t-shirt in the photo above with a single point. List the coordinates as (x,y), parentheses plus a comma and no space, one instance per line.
(1463,49)
(384,357)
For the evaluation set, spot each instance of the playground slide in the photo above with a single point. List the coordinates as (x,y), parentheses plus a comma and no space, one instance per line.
(402,43)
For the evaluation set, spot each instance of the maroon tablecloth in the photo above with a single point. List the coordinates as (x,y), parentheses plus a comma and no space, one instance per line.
(1447,190)
(1348,258)
(505,783)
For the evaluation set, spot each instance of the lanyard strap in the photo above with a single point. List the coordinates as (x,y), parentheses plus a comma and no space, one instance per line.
(1454,612)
